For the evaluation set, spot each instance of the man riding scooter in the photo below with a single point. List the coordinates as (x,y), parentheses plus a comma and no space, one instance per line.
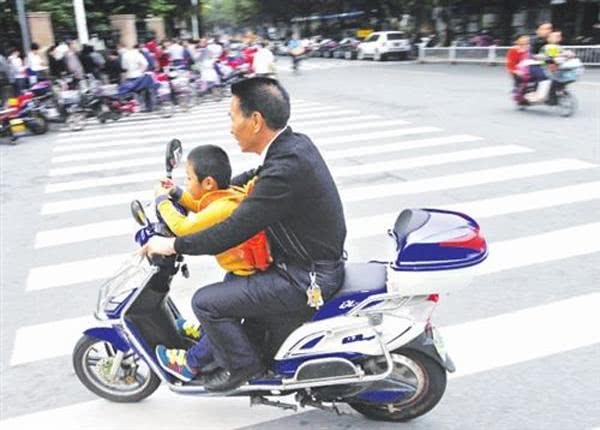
(297,202)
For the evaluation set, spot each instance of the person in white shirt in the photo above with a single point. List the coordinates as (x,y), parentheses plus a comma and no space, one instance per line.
(176,53)
(264,61)
(35,63)
(18,70)
(134,62)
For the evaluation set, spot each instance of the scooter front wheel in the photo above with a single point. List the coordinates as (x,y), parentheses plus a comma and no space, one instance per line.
(411,369)
(130,381)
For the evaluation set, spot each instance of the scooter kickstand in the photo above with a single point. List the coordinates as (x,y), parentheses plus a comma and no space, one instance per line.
(260,400)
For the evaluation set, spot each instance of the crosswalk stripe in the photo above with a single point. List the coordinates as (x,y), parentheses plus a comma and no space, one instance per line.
(97,201)
(320,142)
(297,121)
(428,160)
(184,412)
(81,233)
(468,179)
(542,248)
(221,133)
(332,155)
(479,209)
(73,272)
(104,182)
(323,110)
(335,154)
(143,119)
(524,335)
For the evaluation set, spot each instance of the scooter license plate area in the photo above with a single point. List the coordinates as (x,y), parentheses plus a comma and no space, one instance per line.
(17,126)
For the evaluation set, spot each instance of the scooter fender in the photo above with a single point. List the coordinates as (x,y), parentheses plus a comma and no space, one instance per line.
(111,335)
(426,344)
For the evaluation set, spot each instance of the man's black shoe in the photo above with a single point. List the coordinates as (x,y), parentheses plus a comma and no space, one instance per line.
(224,380)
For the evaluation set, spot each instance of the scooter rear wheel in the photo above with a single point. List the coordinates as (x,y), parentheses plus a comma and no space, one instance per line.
(134,380)
(566,104)
(415,369)
(38,124)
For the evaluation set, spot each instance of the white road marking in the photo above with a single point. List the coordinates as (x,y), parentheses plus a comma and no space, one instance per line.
(360,151)
(97,201)
(225,138)
(144,130)
(428,160)
(183,412)
(376,225)
(524,335)
(81,233)
(74,272)
(296,121)
(468,179)
(229,142)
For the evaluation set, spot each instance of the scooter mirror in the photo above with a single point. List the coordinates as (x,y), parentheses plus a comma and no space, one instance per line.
(173,156)
(138,213)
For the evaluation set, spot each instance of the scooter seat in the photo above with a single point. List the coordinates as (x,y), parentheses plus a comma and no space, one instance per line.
(360,281)
(362,277)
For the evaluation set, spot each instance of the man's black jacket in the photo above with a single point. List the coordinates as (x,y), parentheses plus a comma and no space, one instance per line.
(295,199)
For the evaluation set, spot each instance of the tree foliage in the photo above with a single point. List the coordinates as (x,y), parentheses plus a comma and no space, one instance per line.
(98,12)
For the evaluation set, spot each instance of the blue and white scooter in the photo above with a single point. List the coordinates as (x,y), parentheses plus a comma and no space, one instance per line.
(372,345)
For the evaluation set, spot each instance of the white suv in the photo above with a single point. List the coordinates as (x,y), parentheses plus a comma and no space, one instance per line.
(382,44)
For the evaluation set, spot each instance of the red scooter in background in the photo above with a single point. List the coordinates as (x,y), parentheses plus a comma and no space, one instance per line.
(20,116)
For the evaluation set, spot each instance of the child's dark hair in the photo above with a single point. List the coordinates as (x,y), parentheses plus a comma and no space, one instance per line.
(211,160)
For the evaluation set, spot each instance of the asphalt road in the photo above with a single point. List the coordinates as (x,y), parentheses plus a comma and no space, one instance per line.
(525,336)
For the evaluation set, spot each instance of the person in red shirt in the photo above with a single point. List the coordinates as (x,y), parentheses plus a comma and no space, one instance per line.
(515,55)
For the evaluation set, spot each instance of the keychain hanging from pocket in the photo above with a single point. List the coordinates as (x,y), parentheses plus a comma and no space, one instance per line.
(313,292)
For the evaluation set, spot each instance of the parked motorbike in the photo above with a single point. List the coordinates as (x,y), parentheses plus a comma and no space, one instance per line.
(10,128)
(372,345)
(22,115)
(558,96)
(122,100)
(181,87)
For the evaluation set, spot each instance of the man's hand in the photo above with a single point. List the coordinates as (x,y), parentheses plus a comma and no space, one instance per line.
(158,245)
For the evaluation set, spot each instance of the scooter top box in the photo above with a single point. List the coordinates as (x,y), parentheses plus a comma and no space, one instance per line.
(434,239)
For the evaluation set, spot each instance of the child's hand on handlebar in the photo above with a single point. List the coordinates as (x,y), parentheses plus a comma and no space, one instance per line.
(164,187)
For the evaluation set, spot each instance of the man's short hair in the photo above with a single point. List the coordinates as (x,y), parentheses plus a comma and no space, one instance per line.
(264,95)
(211,160)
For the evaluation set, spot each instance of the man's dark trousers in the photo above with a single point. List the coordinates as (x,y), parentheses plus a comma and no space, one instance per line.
(276,299)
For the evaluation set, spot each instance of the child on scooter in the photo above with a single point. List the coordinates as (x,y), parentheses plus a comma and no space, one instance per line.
(210,199)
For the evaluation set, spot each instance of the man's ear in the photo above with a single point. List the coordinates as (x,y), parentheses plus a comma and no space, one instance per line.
(257,122)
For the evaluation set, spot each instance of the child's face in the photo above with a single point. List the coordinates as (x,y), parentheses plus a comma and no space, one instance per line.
(555,37)
(194,186)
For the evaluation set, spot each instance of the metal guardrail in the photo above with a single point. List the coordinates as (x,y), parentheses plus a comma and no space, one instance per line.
(492,55)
